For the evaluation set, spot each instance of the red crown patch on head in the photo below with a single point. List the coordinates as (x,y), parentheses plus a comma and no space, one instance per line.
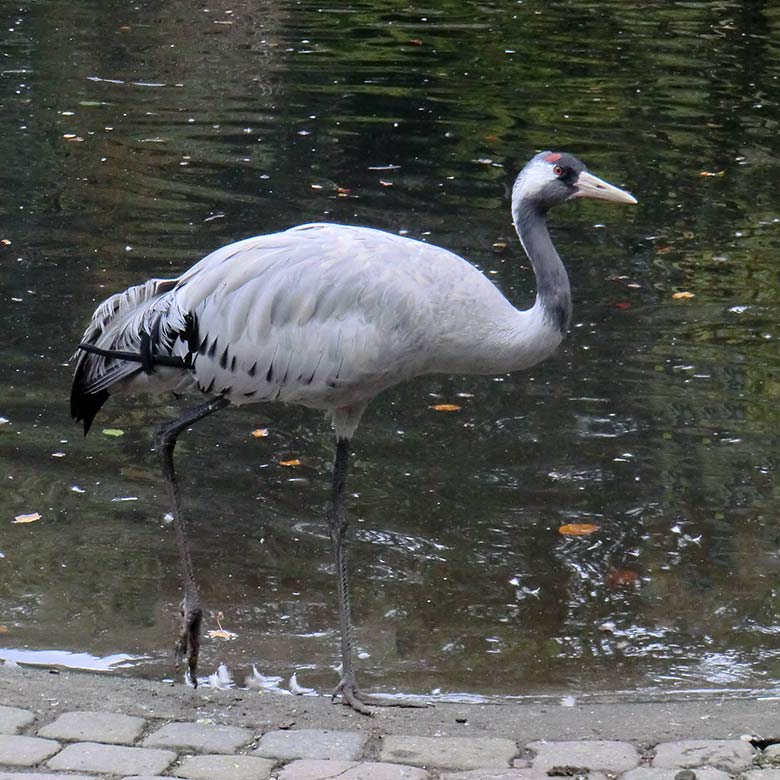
(553,157)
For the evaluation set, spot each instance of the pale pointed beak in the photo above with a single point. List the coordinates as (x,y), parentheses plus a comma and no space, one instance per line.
(590,186)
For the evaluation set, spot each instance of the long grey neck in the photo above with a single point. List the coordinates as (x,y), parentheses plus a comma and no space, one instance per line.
(553,292)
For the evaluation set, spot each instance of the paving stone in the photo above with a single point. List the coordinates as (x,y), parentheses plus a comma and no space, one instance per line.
(449,752)
(309,769)
(47,776)
(656,773)
(756,774)
(200,737)
(95,727)
(14,719)
(225,768)
(596,754)
(26,751)
(112,759)
(312,743)
(731,755)
(772,752)
(511,774)
(494,774)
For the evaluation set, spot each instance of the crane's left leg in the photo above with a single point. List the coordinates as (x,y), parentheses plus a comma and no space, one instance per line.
(351,695)
(188,643)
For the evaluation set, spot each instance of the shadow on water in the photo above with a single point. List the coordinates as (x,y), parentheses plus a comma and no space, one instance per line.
(136,139)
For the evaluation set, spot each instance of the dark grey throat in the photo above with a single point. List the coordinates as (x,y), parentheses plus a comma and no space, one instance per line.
(553,291)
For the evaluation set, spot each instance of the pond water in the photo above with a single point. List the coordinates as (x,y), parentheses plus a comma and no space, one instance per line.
(136,138)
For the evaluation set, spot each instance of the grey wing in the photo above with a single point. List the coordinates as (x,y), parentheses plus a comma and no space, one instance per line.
(320,315)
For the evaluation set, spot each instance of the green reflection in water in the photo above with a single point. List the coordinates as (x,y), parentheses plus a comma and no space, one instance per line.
(137,139)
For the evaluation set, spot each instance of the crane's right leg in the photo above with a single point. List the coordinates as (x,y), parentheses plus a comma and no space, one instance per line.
(188,643)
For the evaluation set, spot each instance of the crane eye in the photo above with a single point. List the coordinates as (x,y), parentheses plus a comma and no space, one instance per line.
(558,170)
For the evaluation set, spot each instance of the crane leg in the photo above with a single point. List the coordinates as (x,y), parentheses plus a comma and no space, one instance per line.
(348,689)
(188,643)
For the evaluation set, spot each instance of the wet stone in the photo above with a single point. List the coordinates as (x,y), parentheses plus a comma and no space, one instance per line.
(14,719)
(657,773)
(449,752)
(225,768)
(760,774)
(200,737)
(26,751)
(773,753)
(312,743)
(95,727)
(112,759)
(591,755)
(308,769)
(730,755)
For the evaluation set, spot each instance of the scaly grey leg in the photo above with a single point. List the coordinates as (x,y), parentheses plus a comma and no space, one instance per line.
(188,643)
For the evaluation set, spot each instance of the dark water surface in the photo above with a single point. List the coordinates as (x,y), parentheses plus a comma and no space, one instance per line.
(136,137)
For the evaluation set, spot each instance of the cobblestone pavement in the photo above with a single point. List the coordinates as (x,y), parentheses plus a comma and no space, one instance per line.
(149,731)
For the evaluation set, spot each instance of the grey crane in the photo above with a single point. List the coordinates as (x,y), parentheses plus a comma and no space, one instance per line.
(325,316)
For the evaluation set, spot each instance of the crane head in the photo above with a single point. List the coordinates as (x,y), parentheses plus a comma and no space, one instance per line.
(551,178)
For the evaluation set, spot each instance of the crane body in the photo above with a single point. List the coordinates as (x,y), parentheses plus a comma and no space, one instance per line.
(326,316)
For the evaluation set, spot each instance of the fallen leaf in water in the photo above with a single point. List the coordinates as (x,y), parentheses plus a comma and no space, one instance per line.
(415,42)
(712,173)
(621,577)
(31,518)
(622,305)
(3,629)
(260,433)
(293,462)
(446,408)
(220,633)
(5,242)
(578,529)
(113,432)
(662,250)
(683,295)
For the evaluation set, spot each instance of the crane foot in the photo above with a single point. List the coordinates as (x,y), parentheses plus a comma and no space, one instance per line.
(352,696)
(188,644)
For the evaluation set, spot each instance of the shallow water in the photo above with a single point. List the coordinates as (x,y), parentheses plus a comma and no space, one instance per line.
(136,139)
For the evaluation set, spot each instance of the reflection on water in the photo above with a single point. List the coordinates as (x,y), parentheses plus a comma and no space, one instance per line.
(136,140)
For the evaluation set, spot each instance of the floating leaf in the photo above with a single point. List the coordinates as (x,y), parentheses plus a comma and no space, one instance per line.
(3,629)
(5,242)
(578,529)
(683,295)
(446,408)
(622,577)
(220,633)
(712,173)
(260,433)
(31,518)
(293,462)
(113,432)
(415,42)
(622,305)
